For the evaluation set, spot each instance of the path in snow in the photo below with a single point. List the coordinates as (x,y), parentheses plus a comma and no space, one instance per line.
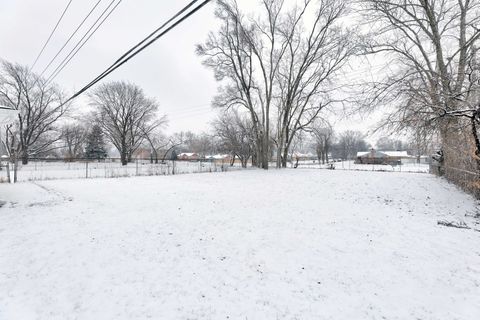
(289,244)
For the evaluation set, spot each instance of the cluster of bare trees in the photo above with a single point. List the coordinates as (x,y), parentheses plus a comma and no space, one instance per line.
(235,135)
(276,68)
(433,83)
(40,105)
(128,118)
(122,114)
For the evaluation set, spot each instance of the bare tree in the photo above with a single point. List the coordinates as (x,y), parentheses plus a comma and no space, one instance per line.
(40,106)
(125,114)
(311,61)
(421,143)
(432,45)
(322,133)
(170,143)
(153,136)
(236,136)
(271,61)
(387,143)
(349,143)
(74,137)
(246,55)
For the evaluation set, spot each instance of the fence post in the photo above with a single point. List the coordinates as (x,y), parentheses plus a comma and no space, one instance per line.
(136,166)
(173,168)
(15,167)
(86,169)
(8,172)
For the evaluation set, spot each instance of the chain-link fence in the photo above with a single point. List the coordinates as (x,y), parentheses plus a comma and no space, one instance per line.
(465,179)
(48,169)
(351,165)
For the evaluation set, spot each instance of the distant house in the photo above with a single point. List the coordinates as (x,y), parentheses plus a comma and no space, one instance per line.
(142,153)
(188,156)
(382,157)
(303,156)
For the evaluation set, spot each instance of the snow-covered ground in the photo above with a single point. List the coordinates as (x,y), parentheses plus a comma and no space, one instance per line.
(282,244)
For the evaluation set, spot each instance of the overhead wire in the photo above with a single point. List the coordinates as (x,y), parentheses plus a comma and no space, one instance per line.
(149,36)
(71,36)
(80,44)
(127,56)
(51,34)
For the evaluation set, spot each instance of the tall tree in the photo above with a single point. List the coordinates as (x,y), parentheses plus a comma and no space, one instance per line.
(349,143)
(432,82)
(322,133)
(246,54)
(74,137)
(387,143)
(40,106)
(236,136)
(125,115)
(313,58)
(95,144)
(273,62)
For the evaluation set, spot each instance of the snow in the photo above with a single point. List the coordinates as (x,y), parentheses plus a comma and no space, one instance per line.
(403,154)
(48,170)
(282,244)
(362,153)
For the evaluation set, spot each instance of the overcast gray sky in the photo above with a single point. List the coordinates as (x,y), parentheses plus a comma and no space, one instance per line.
(169,70)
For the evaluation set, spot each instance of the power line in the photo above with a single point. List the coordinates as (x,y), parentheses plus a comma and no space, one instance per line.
(121,61)
(51,34)
(80,44)
(70,38)
(149,36)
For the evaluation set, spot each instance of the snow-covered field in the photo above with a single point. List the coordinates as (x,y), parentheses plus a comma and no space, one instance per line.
(282,244)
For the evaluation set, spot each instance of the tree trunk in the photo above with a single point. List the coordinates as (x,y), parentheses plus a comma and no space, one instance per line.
(279,156)
(281,145)
(259,153)
(285,157)
(476,142)
(266,153)
(25,157)
(123,157)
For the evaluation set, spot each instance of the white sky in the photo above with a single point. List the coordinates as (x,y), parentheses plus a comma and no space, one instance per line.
(169,70)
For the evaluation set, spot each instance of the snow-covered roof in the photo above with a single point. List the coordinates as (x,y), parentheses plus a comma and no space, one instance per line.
(375,153)
(217,156)
(187,154)
(362,153)
(396,153)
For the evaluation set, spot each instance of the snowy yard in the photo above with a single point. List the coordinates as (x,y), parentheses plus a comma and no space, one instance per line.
(288,244)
